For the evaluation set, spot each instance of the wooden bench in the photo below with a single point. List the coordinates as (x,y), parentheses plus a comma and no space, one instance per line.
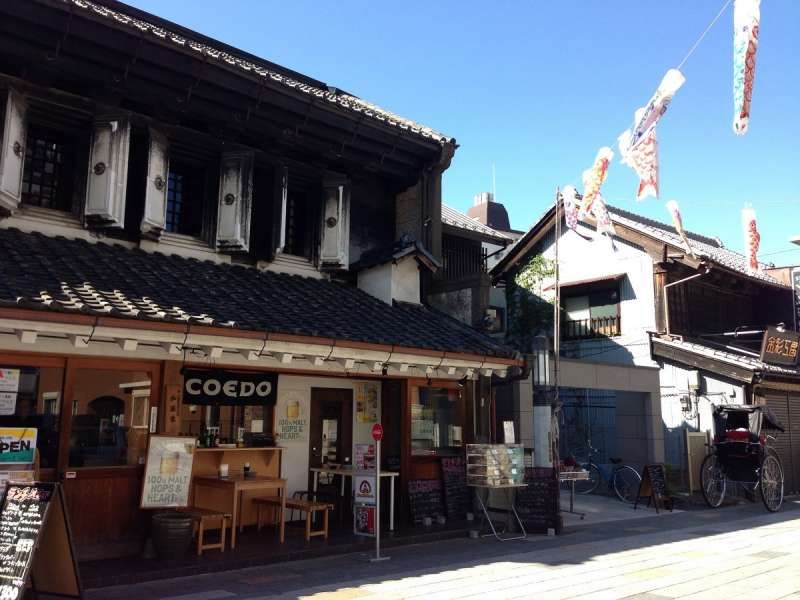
(206,518)
(304,506)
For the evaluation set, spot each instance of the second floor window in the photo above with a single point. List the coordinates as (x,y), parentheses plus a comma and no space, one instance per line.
(185,200)
(591,314)
(49,170)
(300,208)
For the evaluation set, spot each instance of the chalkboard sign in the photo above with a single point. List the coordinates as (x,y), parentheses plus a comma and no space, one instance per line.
(538,502)
(457,498)
(168,471)
(653,486)
(36,543)
(425,499)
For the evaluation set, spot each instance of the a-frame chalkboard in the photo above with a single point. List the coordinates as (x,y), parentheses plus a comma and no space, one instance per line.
(653,486)
(36,550)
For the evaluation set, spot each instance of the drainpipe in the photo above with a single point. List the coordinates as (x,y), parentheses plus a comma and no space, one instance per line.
(706,270)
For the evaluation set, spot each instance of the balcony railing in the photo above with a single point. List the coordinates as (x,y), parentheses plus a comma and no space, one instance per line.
(590,328)
(462,262)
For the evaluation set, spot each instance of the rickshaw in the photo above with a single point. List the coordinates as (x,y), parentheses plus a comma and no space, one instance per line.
(741,455)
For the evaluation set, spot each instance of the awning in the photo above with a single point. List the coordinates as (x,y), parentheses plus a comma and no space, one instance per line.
(576,282)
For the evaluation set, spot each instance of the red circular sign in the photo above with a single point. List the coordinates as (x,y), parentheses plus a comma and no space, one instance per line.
(377,432)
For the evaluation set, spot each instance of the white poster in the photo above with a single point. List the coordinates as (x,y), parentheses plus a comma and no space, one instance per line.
(9,386)
(168,471)
(293,417)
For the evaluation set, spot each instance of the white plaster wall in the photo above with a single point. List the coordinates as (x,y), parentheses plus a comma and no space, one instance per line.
(377,282)
(294,465)
(405,280)
(581,259)
(674,381)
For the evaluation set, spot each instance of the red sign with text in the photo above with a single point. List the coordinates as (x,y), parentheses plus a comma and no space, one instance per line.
(377,432)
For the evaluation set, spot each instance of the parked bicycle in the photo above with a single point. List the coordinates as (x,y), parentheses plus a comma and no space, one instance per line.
(623,479)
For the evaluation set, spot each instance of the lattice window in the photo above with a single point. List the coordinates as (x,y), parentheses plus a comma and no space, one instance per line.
(185,200)
(47,167)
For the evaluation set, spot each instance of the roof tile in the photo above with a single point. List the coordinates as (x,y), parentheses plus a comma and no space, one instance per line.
(104,279)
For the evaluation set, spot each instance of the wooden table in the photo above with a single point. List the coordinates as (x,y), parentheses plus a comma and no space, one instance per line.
(235,485)
(350,472)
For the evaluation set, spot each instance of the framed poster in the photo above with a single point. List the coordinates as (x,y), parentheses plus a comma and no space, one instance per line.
(168,471)
(364,520)
(9,387)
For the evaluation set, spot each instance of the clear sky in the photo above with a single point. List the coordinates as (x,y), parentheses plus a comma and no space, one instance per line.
(535,87)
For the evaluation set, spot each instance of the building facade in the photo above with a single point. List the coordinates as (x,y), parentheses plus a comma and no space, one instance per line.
(642,307)
(182,219)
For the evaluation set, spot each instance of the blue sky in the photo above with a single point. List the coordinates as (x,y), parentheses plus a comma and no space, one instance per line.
(536,87)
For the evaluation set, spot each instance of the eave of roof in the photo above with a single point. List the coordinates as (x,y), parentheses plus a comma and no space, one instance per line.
(705,247)
(728,362)
(144,23)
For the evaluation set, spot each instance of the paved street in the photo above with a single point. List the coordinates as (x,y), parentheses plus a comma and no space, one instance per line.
(736,552)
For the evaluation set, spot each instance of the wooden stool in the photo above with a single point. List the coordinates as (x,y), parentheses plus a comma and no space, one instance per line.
(304,506)
(204,518)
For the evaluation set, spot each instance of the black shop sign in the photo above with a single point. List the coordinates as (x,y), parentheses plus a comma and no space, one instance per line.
(229,388)
(780,347)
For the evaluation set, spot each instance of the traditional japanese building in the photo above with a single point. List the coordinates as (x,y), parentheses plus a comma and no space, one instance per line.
(179,217)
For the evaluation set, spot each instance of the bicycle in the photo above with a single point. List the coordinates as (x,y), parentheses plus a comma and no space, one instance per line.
(621,478)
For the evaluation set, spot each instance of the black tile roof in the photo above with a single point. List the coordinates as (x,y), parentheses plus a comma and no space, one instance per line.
(55,273)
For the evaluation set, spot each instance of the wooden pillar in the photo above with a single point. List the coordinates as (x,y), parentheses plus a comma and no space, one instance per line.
(659,294)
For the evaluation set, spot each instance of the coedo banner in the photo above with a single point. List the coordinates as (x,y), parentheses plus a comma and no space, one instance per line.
(232,388)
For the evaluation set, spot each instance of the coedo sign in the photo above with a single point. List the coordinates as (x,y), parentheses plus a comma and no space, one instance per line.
(229,387)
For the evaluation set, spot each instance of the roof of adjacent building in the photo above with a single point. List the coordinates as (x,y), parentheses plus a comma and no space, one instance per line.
(451,216)
(704,247)
(729,355)
(58,274)
(145,24)
(398,250)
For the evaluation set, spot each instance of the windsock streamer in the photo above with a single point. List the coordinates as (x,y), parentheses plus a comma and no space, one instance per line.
(601,216)
(570,196)
(593,179)
(746,18)
(677,222)
(643,158)
(752,239)
(638,146)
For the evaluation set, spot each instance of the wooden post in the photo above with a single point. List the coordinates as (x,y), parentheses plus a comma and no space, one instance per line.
(659,293)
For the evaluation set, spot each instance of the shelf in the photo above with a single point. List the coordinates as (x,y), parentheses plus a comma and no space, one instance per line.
(270,448)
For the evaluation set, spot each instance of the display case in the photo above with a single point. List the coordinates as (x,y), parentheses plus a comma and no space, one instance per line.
(495,465)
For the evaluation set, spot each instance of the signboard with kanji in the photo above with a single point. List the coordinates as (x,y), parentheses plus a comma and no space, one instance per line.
(780,347)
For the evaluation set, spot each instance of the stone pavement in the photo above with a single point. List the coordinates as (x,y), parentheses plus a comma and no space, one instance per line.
(735,552)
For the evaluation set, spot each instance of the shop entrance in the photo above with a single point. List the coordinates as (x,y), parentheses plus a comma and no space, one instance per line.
(330,430)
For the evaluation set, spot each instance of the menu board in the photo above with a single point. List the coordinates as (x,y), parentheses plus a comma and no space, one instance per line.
(538,502)
(457,499)
(653,486)
(35,539)
(425,499)
(168,471)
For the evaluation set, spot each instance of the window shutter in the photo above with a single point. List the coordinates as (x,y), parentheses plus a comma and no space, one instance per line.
(108,173)
(282,205)
(335,242)
(154,220)
(235,202)
(12,152)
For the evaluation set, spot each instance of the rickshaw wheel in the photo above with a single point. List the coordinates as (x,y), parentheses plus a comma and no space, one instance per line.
(712,481)
(771,480)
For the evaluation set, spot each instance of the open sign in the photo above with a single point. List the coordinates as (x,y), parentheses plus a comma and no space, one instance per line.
(232,388)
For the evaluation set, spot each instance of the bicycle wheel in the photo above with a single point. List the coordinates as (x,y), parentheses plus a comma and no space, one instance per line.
(587,486)
(771,480)
(712,481)
(626,484)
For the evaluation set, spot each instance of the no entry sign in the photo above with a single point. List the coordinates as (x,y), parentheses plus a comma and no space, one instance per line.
(377,432)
